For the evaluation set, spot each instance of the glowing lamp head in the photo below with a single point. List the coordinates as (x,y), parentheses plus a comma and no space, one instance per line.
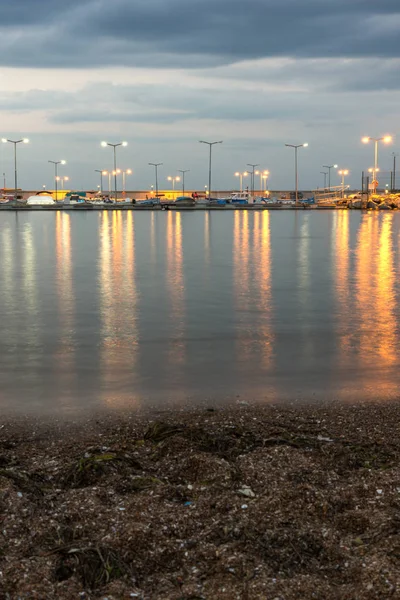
(129,172)
(169,178)
(370,170)
(387,139)
(63,162)
(118,171)
(4,140)
(256,172)
(124,144)
(365,140)
(305,145)
(104,144)
(266,173)
(26,141)
(177,178)
(66,178)
(104,172)
(237,174)
(335,166)
(245,174)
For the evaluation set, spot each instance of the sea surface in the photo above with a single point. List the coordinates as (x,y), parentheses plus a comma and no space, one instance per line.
(125,309)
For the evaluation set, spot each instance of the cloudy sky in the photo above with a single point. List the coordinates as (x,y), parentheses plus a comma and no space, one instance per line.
(163,74)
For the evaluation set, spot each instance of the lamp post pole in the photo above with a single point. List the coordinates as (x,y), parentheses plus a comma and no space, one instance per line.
(394,171)
(124,174)
(210,144)
(183,179)
(252,176)
(329,167)
(56,163)
(263,175)
(101,178)
(386,140)
(343,173)
(156,165)
(15,142)
(296,175)
(114,147)
(324,173)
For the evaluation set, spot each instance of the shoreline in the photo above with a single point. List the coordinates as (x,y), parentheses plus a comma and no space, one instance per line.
(246,502)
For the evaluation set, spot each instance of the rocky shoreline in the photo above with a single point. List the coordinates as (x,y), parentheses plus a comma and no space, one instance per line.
(252,502)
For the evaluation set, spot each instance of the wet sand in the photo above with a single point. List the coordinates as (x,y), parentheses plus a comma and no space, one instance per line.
(251,502)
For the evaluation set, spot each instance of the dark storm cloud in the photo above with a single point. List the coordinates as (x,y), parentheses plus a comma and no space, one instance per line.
(82,33)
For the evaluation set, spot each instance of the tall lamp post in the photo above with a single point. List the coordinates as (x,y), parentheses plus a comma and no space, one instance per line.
(124,174)
(324,173)
(264,180)
(56,178)
(156,165)
(386,140)
(329,167)
(62,179)
(263,176)
(210,144)
(173,179)
(102,172)
(114,146)
(15,142)
(296,172)
(252,173)
(183,179)
(394,171)
(343,173)
(241,175)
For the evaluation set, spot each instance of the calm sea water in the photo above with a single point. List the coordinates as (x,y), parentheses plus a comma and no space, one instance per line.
(124,309)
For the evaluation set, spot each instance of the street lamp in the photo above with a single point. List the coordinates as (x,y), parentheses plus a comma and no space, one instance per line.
(296,174)
(386,140)
(241,175)
(263,176)
(206,190)
(264,179)
(343,173)
(210,144)
(183,179)
(252,173)
(63,179)
(156,165)
(15,142)
(102,172)
(56,178)
(114,146)
(374,172)
(173,179)
(329,167)
(324,173)
(124,174)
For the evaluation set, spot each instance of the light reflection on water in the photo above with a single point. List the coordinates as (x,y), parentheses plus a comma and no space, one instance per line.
(117,309)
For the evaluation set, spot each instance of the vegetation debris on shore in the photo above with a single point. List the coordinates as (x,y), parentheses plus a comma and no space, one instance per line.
(247,503)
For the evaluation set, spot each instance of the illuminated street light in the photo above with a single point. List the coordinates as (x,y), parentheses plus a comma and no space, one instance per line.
(124,174)
(296,147)
(173,179)
(15,142)
(241,175)
(386,139)
(114,146)
(263,177)
(56,178)
(343,173)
